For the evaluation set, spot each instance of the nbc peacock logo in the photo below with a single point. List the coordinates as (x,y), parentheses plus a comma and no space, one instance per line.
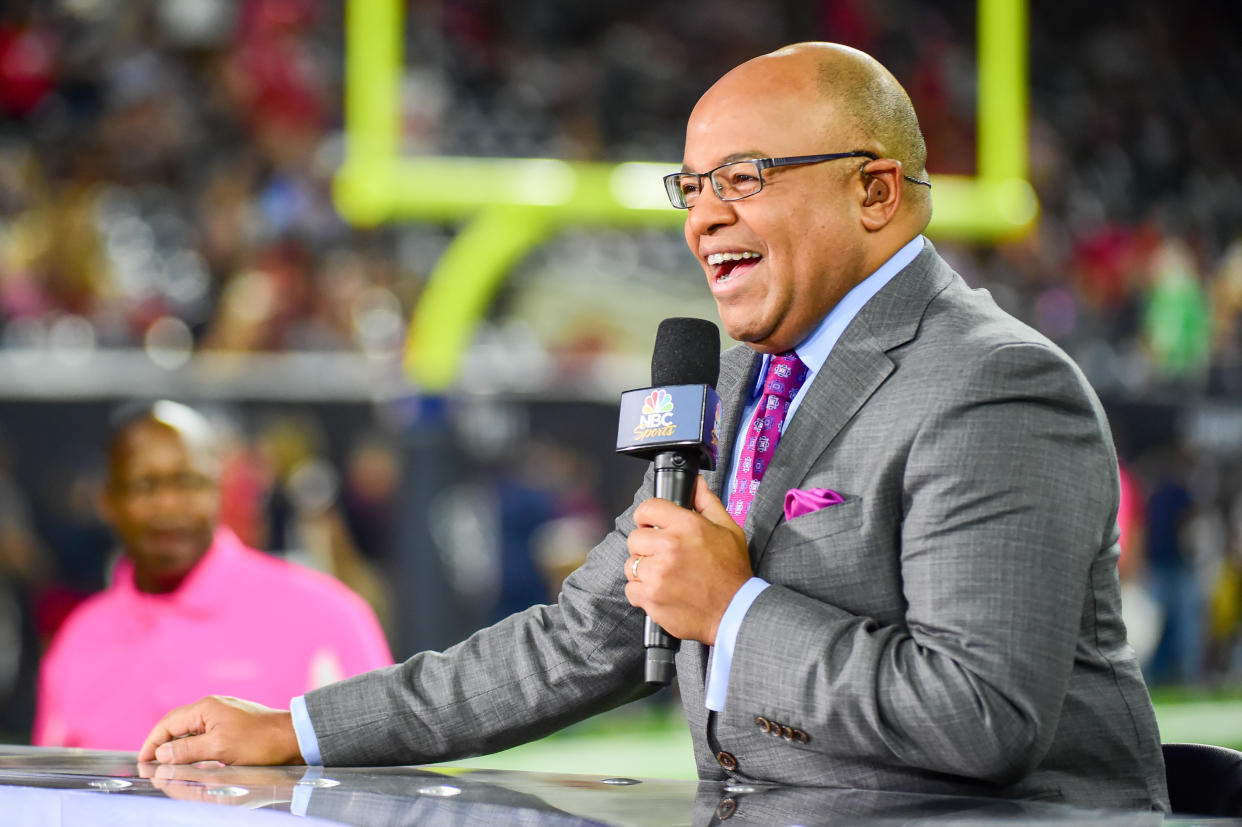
(657,416)
(658,401)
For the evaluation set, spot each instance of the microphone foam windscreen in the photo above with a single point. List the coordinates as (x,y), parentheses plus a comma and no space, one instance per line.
(687,352)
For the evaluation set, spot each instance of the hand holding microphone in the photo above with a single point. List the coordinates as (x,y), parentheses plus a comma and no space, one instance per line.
(690,564)
(674,424)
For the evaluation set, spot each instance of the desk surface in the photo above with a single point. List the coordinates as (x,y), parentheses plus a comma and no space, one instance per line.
(56,786)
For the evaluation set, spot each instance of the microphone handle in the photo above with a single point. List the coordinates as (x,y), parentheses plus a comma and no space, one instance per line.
(675,472)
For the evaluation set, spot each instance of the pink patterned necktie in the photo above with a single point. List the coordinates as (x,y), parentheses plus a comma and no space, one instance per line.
(786,373)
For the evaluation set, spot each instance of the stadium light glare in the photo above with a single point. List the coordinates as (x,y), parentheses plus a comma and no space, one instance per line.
(1016,201)
(542,182)
(639,185)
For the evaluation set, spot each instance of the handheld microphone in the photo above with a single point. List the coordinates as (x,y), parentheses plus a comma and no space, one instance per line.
(674,424)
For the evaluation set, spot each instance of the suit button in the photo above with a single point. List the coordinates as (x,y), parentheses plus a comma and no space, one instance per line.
(764,723)
(787,733)
(801,736)
(727,761)
(726,808)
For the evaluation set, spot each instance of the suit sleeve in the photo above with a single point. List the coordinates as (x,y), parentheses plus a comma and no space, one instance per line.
(1008,492)
(520,679)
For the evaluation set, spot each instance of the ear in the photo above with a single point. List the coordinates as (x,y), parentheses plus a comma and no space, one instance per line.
(881,193)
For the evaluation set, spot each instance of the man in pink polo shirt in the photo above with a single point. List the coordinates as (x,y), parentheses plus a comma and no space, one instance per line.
(191,610)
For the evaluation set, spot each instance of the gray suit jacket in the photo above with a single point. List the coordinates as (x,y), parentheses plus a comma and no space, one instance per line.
(952,627)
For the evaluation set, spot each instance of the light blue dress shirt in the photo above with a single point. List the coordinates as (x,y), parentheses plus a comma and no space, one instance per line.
(308,743)
(813,352)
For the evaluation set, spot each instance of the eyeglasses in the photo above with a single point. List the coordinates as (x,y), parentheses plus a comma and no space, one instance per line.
(182,482)
(742,179)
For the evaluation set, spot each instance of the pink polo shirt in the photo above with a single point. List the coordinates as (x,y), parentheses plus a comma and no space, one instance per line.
(242,623)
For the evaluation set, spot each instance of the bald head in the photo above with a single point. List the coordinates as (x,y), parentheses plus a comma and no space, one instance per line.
(187,424)
(853,99)
(872,99)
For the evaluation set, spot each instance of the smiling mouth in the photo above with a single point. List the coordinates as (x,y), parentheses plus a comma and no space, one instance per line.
(165,536)
(729,264)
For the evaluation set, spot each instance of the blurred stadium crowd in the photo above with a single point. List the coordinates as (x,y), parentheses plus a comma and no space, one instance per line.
(165,176)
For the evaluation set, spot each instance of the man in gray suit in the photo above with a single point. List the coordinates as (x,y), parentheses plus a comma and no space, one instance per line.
(923,592)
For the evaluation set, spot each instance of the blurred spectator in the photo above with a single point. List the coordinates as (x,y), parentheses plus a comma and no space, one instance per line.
(1171,572)
(191,610)
(322,539)
(1225,656)
(547,517)
(306,518)
(68,520)
(561,545)
(1177,325)
(525,505)
(369,495)
(1130,519)
(28,50)
(25,569)
(245,480)
(1143,614)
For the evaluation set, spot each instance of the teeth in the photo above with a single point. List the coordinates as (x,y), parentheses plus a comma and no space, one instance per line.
(721,258)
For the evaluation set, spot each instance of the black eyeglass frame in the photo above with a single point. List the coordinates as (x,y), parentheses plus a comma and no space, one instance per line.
(677,198)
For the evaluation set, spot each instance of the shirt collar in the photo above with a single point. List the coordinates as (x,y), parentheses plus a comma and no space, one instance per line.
(202,589)
(815,348)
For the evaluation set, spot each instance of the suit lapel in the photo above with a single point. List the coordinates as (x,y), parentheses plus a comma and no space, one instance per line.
(857,366)
(737,376)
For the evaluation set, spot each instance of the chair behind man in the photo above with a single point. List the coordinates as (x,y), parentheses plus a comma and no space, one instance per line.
(1204,779)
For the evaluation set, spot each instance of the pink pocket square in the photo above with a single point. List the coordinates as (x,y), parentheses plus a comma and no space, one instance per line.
(799,502)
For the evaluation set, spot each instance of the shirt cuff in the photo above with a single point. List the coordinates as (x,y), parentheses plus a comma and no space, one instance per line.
(308,744)
(726,639)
